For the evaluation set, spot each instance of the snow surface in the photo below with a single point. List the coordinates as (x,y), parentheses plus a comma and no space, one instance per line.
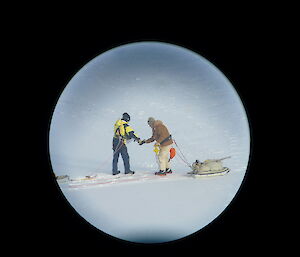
(203,113)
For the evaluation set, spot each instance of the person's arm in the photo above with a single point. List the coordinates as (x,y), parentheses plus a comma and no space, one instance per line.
(131,134)
(151,139)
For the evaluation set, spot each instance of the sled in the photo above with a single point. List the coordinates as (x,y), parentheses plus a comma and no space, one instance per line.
(211,173)
(62,178)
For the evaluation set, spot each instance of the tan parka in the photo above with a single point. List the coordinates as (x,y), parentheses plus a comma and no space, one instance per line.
(160,134)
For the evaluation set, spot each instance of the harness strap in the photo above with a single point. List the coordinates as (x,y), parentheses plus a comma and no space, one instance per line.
(166,139)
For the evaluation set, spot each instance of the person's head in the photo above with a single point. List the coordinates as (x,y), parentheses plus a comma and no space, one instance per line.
(151,121)
(126,117)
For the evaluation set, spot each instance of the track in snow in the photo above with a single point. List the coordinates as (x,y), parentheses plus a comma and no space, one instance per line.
(102,179)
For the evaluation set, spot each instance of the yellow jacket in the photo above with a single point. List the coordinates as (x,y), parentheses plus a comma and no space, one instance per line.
(123,130)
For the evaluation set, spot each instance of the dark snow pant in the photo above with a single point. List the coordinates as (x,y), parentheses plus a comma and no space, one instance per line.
(120,148)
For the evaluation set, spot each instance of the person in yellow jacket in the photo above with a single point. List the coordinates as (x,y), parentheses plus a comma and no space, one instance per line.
(122,133)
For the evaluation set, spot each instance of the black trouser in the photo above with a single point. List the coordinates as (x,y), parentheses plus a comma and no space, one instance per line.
(120,148)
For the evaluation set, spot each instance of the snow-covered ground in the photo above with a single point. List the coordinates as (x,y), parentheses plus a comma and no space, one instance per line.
(203,113)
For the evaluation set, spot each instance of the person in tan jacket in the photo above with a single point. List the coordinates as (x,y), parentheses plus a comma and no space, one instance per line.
(163,139)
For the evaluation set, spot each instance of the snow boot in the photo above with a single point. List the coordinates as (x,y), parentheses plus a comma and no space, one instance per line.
(116,173)
(160,173)
(129,172)
(169,171)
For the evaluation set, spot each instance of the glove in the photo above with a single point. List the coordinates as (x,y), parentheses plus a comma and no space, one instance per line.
(141,142)
(137,139)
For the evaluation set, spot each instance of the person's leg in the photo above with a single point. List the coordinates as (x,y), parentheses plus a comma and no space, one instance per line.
(163,157)
(125,157)
(168,166)
(116,146)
